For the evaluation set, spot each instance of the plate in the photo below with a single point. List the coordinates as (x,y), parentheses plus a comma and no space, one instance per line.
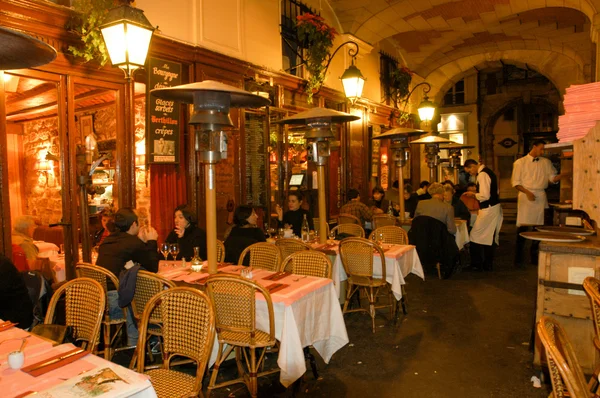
(553,237)
(566,230)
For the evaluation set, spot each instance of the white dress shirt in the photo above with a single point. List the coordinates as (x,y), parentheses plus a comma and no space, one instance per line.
(484,182)
(533,175)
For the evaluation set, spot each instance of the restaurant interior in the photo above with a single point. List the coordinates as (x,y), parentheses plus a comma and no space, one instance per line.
(229,105)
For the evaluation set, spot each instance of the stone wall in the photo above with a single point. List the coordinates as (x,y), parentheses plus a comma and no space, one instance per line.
(142,177)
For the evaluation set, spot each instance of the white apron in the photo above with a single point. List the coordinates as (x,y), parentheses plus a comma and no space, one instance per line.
(486,229)
(531,212)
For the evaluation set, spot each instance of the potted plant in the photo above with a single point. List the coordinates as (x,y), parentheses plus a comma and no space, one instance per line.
(85,23)
(317,38)
(400,79)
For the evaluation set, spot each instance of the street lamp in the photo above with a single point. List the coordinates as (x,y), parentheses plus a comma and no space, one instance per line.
(399,137)
(212,101)
(320,122)
(353,82)
(127,33)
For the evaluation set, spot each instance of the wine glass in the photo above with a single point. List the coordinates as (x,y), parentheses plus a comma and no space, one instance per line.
(281,232)
(332,235)
(164,249)
(380,239)
(174,249)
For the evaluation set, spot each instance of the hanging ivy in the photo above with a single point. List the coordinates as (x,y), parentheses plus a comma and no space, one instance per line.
(85,23)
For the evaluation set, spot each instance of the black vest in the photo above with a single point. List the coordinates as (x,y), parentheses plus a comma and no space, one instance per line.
(494,199)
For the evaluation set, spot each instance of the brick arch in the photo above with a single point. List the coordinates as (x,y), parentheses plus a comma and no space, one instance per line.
(561,70)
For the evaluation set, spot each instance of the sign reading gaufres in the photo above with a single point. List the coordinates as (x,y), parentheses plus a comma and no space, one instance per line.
(162,135)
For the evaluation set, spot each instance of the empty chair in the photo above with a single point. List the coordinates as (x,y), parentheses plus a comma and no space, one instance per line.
(187,319)
(591,286)
(316,222)
(100,275)
(234,300)
(262,255)
(345,218)
(220,251)
(390,234)
(349,229)
(357,258)
(382,220)
(148,285)
(308,262)
(565,373)
(288,246)
(84,308)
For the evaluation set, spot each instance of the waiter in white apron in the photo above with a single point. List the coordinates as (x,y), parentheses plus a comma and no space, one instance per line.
(531,176)
(485,235)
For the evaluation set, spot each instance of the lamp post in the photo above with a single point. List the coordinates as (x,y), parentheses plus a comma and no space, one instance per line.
(399,137)
(212,101)
(319,122)
(455,153)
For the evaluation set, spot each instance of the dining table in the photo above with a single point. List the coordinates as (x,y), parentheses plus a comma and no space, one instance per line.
(400,261)
(306,313)
(49,372)
(462,231)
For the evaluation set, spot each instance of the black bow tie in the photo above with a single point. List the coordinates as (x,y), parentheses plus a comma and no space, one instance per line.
(536,159)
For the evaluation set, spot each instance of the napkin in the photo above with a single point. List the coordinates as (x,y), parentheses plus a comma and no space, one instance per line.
(31,369)
(277,276)
(275,287)
(7,325)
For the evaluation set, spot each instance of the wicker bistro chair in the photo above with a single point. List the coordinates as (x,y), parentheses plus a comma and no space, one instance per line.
(565,373)
(308,262)
(187,319)
(147,285)
(288,246)
(262,256)
(357,258)
(220,251)
(350,229)
(591,286)
(345,218)
(101,275)
(390,234)
(84,307)
(316,223)
(234,300)
(382,220)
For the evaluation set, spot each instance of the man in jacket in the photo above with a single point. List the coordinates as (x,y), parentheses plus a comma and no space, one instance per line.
(485,234)
(437,208)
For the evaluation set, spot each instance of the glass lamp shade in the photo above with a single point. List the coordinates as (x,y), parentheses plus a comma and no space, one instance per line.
(353,82)
(426,110)
(127,34)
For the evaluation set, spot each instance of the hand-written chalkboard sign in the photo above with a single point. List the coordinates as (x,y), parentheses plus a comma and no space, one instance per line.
(162,134)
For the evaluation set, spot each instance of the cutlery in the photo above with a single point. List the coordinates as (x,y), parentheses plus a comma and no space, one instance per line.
(297,279)
(16,338)
(55,360)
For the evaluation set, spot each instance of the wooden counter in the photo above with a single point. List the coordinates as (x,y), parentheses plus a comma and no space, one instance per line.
(565,300)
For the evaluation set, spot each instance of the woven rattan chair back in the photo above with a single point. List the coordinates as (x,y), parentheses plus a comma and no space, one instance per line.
(591,286)
(382,220)
(316,223)
(288,246)
(357,256)
(147,285)
(187,318)
(309,262)
(234,299)
(350,229)
(262,256)
(390,234)
(345,218)
(220,251)
(565,372)
(85,301)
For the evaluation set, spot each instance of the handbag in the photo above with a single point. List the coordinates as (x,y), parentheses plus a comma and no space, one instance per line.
(59,333)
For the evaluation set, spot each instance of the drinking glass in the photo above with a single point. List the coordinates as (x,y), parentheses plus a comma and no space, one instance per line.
(380,239)
(174,249)
(332,235)
(164,249)
(281,232)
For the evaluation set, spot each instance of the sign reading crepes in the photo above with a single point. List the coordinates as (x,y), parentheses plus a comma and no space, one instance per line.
(162,134)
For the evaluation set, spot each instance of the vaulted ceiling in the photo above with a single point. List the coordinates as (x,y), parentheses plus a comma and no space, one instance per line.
(442,39)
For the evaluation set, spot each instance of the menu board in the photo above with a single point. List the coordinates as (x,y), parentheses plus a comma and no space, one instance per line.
(256,159)
(162,134)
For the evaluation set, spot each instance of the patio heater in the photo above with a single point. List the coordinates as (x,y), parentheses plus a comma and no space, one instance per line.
(432,148)
(455,153)
(319,123)
(210,118)
(399,137)
(19,51)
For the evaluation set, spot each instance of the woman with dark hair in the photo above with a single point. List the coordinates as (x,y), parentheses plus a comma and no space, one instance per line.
(378,203)
(295,214)
(187,233)
(243,234)
(107,217)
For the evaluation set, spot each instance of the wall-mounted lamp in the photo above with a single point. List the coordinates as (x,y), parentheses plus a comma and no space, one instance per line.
(353,82)
(43,168)
(426,108)
(127,34)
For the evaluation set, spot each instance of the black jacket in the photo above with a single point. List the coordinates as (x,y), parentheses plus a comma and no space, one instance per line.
(295,218)
(192,237)
(15,304)
(434,243)
(239,239)
(120,247)
(410,204)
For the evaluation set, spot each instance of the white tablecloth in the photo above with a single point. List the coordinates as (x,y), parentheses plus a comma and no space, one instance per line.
(61,382)
(400,260)
(462,234)
(45,249)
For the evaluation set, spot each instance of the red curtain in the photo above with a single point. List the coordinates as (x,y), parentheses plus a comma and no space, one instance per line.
(168,190)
